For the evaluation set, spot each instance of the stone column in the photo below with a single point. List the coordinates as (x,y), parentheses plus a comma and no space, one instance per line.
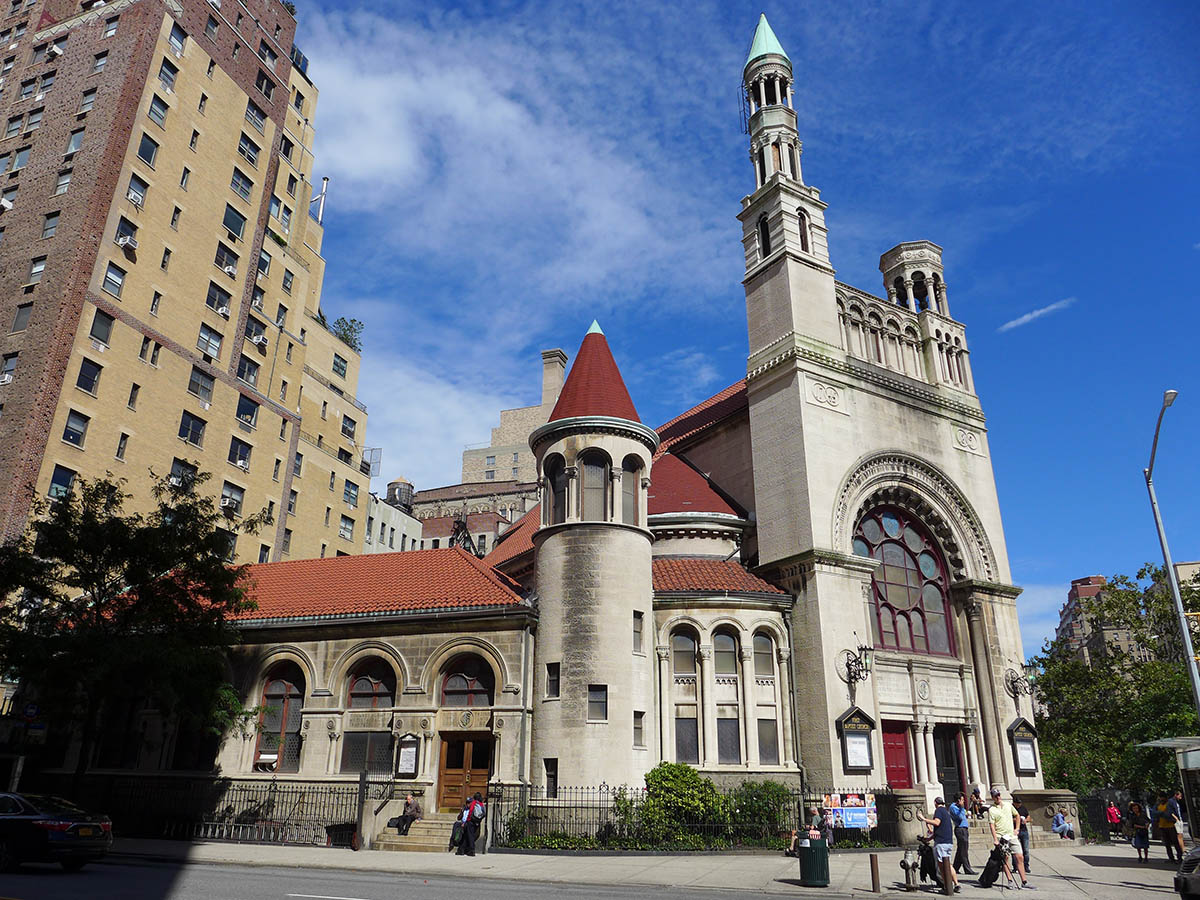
(983,681)
(572,492)
(931,753)
(749,705)
(972,757)
(909,299)
(708,706)
(762,92)
(919,748)
(614,494)
(788,756)
(758,181)
(665,713)
(789,95)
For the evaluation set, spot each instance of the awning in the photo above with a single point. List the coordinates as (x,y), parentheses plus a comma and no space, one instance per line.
(1175,743)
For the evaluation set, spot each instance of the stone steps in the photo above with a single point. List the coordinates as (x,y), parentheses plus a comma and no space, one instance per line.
(430,834)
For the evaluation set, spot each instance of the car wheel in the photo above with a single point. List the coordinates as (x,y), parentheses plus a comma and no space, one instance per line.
(73,865)
(8,860)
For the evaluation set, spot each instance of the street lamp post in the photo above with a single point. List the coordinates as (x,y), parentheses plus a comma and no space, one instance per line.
(1185,632)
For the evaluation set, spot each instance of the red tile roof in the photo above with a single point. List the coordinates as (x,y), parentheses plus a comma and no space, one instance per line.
(477,523)
(677,487)
(518,540)
(704,415)
(673,574)
(449,579)
(594,387)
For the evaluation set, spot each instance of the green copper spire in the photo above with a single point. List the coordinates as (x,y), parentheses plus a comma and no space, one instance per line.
(595,329)
(764,42)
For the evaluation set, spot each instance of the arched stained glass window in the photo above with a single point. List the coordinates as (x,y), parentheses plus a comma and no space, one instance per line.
(910,588)
(279,736)
(372,685)
(468,681)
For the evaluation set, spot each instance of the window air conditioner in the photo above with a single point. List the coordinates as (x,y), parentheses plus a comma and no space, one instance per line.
(40,96)
(228,502)
(223,312)
(126,240)
(215,4)
(243,464)
(256,304)
(175,481)
(260,339)
(136,199)
(5,203)
(6,379)
(204,404)
(230,270)
(54,50)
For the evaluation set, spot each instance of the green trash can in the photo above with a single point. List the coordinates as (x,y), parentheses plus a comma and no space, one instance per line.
(814,863)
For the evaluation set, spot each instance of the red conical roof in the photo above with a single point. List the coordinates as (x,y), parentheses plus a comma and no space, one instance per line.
(595,386)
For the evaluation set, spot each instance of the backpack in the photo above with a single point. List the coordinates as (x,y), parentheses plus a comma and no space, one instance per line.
(477,811)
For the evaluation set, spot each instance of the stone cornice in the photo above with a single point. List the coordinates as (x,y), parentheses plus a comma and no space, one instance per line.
(594,425)
(988,588)
(818,556)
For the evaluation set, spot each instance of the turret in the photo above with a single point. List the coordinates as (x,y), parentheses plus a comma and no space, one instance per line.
(912,276)
(594,688)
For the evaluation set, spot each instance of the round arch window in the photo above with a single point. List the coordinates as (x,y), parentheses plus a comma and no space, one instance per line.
(372,686)
(911,587)
(468,681)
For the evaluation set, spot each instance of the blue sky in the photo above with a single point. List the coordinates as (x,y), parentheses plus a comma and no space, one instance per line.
(504,172)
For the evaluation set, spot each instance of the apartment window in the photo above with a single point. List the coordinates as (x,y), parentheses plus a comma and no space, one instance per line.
(34,120)
(99,61)
(76,428)
(167,73)
(89,376)
(50,224)
(102,324)
(248,371)
(339,365)
(264,262)
(145,351)
(125,229)
(266,54)
(10,365)
(349,426)
(232,498)
(194,140)
(247,410)
(281,317)
(291,507)
(265,85)
(639,729)
(201,384)
(110,27)
(209,341)
(350,493)
(20,159)
(490,461)
(202,104)
(551,766)
(114,279)
(264,553)
(147,150)
(297,462)
(346,528)
(75,141)
(226,259)
(248,149)
(177,38)
(489,475)
(515,473)
(597,710)
(291,185)
(175,213)
(210,28)
(154,303)
(27,89)
(242,185)
(134,390)
(218,298)
(136,193)
(13,126)
(10,193)
(21,319)
(184,177)
(60,482)
(255,116)
(46,82)
(239,453)
(212,65)
(87,101)
(287,541)
(37,267)
(332,475)
(298,102)
(254,328)
(638,619)
(191,428)
(122,443)
(288,278)
(234,222)
(275,202)
(166,259)
(158,110)
(283,386)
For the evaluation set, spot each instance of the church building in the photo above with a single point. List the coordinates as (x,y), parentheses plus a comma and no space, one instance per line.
(802,577)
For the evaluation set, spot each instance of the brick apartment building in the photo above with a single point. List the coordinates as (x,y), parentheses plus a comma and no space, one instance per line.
(160,274)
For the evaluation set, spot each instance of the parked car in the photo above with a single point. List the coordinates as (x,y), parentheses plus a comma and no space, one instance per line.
(1187,879)
(36,828)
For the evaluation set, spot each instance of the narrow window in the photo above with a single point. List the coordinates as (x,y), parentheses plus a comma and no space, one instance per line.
(50,224)
(76,428)
(639,729)
(556,482)
(89,376)
(597,703)
(594,487)
(638,620)
(764,238)
(551,766)
(725,654)
(147,150)
(122,443)
(552,674)
(114,279)
(631,473)
(802,225)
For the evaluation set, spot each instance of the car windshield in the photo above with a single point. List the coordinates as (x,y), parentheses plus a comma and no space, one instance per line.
(53,806)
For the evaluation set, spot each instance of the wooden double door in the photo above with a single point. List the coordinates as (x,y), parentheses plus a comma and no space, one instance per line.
(464,769)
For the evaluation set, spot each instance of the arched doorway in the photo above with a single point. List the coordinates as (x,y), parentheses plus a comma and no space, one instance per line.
(467,684)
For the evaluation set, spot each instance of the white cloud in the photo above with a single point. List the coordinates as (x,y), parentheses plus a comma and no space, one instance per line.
(1036,314)
(1038,606)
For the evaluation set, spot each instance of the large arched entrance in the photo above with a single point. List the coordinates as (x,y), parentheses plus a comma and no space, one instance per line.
(467,689)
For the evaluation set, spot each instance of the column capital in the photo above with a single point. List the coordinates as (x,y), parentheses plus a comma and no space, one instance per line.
(664,653)
(747,654)
(784,654)
(706,651)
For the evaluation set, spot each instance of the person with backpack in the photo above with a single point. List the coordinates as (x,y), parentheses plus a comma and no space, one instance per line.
(1003,821)
(1112,815)
(942,827)
(473,814)
(962,834)
(459,831)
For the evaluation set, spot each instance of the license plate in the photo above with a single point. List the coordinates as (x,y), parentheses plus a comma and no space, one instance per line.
(86,831)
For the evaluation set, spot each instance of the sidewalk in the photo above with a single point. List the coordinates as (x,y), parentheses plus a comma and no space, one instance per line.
(1106,872)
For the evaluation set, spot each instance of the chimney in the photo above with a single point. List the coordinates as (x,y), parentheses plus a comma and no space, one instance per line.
(554,367)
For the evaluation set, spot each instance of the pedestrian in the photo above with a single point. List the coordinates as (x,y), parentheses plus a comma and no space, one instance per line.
(1003,821)
(977,809)
(1113,816)
(942,827)
(1023,831)
(473,813)
(412,812)
(1175,807)
(1140,823)
(1060,826)
(1164,824)
(962,834)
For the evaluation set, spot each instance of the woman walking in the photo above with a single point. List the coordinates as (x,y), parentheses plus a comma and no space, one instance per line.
(1140,823)
(1113,816)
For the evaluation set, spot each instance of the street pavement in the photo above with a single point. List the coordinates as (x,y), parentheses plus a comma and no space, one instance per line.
(166,870)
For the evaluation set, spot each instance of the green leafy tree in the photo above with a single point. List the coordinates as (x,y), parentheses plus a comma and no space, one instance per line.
(349,331)
(1096,713)
(98,605)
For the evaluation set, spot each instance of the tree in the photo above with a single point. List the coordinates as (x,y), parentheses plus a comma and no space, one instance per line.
(1096,712)
(98,605)
(349,331)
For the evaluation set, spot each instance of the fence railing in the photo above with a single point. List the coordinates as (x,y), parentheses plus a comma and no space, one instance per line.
(283,811)
(753,814)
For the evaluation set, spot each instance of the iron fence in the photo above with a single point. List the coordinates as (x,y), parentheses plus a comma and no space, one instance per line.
(751,815)
(279,810)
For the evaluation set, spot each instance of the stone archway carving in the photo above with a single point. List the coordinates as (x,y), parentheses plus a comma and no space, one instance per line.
(897,478)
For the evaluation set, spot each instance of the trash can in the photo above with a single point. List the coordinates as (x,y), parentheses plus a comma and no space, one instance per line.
(814,863)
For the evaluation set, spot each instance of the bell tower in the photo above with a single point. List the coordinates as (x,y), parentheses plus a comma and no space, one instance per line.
(789,281)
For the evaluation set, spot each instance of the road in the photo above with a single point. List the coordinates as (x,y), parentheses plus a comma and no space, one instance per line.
(124,880)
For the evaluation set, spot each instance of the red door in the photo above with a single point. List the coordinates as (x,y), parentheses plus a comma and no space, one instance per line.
(895,754)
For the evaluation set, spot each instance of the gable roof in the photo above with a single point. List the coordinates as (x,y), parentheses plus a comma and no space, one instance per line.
(518,540)
(677,487)
(594,386)
(705,414)
(376,584)
(692,575)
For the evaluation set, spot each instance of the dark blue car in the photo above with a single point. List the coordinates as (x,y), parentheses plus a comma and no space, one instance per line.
(36,828)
